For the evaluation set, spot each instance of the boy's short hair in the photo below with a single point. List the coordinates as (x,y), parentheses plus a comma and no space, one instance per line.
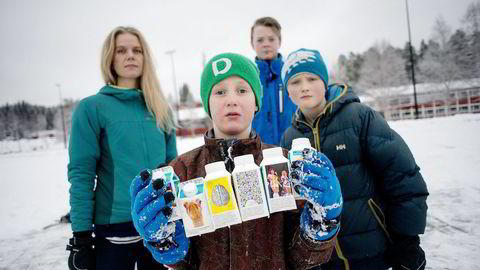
(267,22)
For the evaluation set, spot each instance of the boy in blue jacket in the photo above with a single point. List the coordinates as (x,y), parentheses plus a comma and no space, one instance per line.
(277,110)
(384,193)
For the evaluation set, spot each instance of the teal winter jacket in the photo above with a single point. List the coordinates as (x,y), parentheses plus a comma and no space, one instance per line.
(113,138)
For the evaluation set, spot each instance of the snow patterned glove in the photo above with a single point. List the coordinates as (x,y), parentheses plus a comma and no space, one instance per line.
(314,178)
(151,209)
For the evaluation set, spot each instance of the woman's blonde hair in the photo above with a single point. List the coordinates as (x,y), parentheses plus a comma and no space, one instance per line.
(155,100)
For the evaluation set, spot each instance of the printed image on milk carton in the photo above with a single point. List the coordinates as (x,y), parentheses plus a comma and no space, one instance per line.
(249,191)
(221,198)
(278,188)
(194,212)
(194,208)
(169,180)
(220,195)
(250,194)
(278,181)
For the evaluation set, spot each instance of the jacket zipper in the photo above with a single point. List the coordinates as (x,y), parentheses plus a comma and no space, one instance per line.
(316,134)
(316,140)
(141,122)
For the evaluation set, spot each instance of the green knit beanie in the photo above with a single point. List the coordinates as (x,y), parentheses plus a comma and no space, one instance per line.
(225,65)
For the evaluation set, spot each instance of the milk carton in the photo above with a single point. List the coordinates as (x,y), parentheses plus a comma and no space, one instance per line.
(194,208)
(221,198)
(249,188)
(278,187)
(171,183)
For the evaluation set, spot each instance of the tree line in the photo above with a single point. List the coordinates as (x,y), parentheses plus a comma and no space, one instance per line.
(445,57)
(25,120)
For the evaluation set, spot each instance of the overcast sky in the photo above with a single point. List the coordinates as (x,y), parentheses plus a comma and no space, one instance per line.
(49,42)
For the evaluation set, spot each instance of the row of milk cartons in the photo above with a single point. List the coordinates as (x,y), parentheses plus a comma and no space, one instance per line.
(210,203)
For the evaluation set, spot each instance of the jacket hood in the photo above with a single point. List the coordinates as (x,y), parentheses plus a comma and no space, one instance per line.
(338,95)
(121,93)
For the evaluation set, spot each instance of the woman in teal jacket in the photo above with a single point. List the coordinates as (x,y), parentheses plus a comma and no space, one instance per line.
(126,127)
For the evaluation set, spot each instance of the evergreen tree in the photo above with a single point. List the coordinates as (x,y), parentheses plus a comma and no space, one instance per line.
(185,95)
(423,49)
(405,53)
(462,56)
(474,45)
(471,19)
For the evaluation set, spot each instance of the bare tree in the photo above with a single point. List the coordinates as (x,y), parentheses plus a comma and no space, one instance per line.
(338,74)
(382,72)
(438,64)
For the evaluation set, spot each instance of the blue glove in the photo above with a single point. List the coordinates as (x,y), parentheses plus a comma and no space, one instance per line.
(315,179)
(151,209)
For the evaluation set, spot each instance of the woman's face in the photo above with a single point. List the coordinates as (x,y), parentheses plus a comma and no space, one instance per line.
(232,107)
(128,60)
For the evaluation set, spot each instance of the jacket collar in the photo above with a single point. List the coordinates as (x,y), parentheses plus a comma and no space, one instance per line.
(227,149)
(121,93)
(270,66)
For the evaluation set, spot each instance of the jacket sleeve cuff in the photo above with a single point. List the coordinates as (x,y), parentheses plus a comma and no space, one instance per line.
(306,253)
(181,265)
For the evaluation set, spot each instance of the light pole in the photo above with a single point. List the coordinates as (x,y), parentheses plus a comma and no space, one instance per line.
(411,61)
(175,94)
(62,114)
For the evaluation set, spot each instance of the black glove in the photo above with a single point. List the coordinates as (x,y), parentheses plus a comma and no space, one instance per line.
(406,254)
(82,251)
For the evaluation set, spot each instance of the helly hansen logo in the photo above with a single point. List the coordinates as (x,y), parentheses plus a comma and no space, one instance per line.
(341,147)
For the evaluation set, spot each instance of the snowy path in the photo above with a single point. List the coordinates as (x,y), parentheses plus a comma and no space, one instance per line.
(35,193)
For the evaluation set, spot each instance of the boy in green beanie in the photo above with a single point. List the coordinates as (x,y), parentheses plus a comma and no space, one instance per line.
(231,93)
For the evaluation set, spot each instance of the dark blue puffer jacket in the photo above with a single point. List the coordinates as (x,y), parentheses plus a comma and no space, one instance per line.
(383,190)
(276,113)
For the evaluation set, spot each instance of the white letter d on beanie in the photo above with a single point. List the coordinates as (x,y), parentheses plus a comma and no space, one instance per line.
(226,68)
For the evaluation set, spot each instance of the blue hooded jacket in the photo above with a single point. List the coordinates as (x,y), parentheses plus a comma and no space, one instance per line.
(277,109)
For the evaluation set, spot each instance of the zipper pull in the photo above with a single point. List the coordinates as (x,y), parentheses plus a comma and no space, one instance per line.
(280,97)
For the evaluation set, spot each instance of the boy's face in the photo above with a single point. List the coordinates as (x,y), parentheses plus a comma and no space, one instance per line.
(265,42)
(232,107)
(307,91)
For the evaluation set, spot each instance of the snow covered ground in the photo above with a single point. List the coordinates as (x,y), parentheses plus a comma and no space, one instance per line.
(34,194)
